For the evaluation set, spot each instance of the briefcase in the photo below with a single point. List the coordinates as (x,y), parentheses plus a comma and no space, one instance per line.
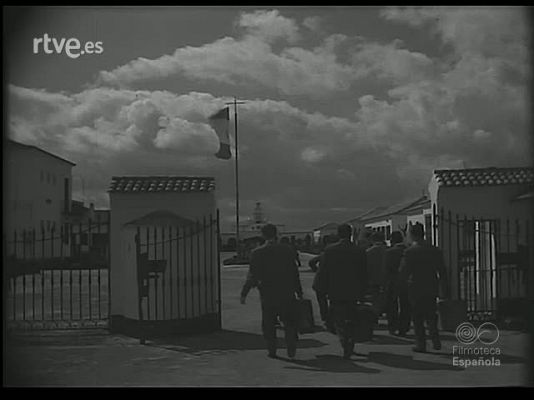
(451,314)
(365,321)
(304,314)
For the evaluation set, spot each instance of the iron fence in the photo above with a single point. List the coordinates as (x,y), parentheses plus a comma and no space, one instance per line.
(57,279)
(489,260)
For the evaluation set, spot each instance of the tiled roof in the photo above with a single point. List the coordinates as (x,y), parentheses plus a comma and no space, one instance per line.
(485,176)
(362,216)
(422,204)
(155,184)
(328,225)
(382,212)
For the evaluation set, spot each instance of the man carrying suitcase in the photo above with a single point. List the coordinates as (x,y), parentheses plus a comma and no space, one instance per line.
(274,272)
(343,276)
(422,269)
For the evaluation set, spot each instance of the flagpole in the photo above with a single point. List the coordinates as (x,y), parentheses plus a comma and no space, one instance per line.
(238,253)
(235,103)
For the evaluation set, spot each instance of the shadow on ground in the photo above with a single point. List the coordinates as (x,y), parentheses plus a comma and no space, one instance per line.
(224,341)
(408,362)
(329,363)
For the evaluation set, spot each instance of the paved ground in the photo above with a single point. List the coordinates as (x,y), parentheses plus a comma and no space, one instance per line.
(236,357)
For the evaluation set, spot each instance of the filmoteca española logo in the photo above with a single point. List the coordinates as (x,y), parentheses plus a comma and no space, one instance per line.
(465,355)
(487,333)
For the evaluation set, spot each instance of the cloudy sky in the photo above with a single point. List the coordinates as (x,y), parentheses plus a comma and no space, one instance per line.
(347,108)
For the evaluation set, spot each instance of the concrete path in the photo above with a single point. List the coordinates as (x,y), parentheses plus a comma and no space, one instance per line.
(236,356)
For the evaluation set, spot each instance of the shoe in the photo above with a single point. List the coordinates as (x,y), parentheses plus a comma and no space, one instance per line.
(330,328)
(291,352)
(419,349)
(436,344)
(272,354)
(346,354)
(348,350)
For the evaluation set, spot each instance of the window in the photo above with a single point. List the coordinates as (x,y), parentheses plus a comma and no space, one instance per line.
(66,195)
(388,232)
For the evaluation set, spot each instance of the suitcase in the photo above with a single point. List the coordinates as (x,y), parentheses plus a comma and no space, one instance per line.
(304,313)
(451,314)
(366,319)
(379,302)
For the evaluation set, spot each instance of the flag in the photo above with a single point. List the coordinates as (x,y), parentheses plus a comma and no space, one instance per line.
(220,122)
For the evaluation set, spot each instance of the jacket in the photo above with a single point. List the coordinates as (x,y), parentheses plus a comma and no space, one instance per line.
(422,269)
(342,272)
(274,272)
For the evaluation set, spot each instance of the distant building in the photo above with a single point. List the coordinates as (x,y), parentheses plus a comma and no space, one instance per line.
(89,228)
(37,192)
(249,228)
(389,219)
(323,231)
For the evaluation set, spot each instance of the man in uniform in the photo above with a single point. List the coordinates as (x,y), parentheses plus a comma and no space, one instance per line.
(274,272)
(423,271)
(398,307)
(343,276)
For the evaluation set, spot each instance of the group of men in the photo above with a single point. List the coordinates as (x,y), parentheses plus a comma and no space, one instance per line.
(404,279)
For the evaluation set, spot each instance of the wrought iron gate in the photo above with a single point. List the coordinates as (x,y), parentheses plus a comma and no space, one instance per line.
(490,261)
(178,273)
(57,280)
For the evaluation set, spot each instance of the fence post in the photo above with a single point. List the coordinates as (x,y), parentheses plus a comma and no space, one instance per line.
(199,291)
(164,308)
(33,274)
(24,275)
(219,294)
(458,265)
(205,248)
(434,225)
(140,285)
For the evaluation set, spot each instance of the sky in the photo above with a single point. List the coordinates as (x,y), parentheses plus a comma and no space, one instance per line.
(346,108)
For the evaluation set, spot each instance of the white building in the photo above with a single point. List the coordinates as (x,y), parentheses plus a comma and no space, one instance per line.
(392,218)
(323,231)
(164,210)
(482,220)
(37,193)
(250,227)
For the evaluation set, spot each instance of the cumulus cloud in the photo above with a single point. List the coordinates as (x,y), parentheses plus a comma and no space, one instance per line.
(463,108)
(335,65)
(269,26)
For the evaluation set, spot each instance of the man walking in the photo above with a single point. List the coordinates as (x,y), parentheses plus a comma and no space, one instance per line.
(274,272)
(376,255)
(343,276)
(423,270)
(398,307)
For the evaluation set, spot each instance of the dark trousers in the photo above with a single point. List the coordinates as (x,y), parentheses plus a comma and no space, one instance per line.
(322,300)
(425,311)
(398,310)
(344,315)
(286,312)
